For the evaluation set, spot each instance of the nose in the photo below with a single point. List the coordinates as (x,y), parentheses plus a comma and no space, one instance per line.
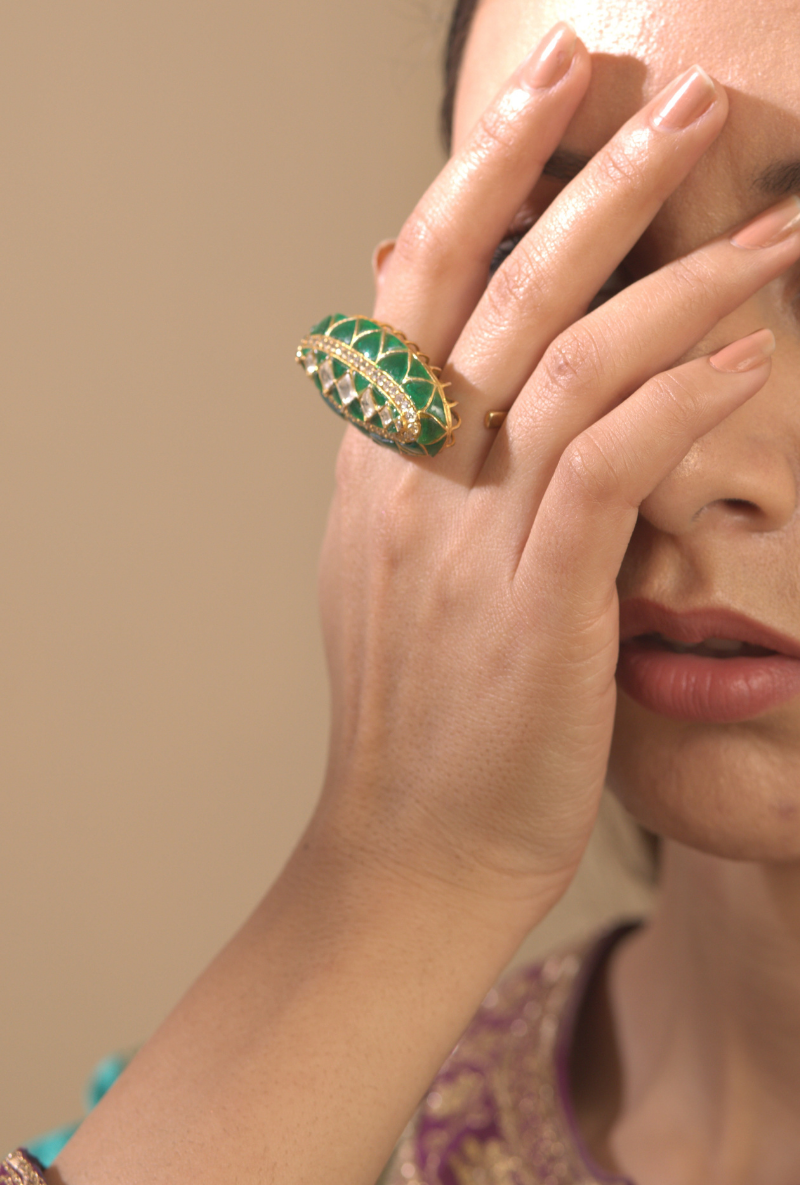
(743,475)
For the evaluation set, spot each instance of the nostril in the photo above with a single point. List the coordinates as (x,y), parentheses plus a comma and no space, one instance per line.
(740,504)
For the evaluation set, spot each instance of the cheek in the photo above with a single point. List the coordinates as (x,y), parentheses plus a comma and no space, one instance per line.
(731,791)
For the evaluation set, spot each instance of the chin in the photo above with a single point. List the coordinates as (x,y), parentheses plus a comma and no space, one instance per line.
(731,790)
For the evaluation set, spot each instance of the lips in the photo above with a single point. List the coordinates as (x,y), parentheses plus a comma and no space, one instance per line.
(710,665)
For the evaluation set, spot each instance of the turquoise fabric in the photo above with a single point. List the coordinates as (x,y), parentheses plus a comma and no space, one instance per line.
(46,1148)
(105,1074)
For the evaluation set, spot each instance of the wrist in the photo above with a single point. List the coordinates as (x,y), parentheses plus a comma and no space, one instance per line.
(408,866)
(341,896)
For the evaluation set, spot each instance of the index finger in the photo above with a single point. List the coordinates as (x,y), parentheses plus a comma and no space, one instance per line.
(438,270)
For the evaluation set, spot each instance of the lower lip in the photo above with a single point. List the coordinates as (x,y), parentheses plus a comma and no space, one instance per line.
(714,690)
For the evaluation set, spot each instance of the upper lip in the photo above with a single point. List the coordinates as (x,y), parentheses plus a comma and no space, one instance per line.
(693,626)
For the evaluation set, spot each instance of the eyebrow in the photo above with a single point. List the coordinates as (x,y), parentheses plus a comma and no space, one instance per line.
(777,180)
(564,165)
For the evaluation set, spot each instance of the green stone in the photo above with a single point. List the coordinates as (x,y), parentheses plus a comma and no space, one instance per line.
(417,371)
(419,393)
(369,344)
(431,431)
(324,324)
(395,365)
(344,331)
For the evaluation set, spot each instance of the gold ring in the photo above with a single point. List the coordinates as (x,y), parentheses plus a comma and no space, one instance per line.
(377,380)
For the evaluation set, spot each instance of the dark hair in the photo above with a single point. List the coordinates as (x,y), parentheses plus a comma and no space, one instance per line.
(460,24)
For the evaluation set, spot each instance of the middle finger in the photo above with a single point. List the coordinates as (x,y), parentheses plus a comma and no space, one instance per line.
(551,277)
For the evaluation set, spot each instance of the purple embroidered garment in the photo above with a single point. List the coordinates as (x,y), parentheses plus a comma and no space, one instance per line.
(499,1111)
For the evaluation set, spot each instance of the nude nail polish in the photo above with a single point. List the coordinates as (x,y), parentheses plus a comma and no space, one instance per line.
(380,256)
(746,354)
(689,97)
(552,58)
(771,227)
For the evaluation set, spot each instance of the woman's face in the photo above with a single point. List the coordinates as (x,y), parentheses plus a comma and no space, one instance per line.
(722,531)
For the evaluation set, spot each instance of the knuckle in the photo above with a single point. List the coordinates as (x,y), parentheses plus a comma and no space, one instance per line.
(588,468)
(678,400)
(619,163)
(514,287)
(397,518)
(573,359)
(695,281)
(348,464)
(423,238)
(380,513)
(494,133)
(344,463)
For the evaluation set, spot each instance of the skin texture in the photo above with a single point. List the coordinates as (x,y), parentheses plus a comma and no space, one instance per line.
(471,612)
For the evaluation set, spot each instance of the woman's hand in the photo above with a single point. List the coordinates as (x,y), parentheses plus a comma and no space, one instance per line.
(469,601)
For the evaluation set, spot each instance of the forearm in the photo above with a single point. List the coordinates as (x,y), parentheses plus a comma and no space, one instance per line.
(301,1052)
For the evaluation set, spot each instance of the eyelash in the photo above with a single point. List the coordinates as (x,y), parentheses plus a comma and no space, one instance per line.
(616,282)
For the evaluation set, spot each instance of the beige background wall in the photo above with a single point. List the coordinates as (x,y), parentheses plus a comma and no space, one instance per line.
(172,218)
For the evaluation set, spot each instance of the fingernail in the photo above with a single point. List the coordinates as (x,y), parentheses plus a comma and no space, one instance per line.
(380,256)
(689,97)
(770,227)
(552,57)
(746,354)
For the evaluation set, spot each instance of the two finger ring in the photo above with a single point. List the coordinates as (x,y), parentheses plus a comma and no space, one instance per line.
(379,381)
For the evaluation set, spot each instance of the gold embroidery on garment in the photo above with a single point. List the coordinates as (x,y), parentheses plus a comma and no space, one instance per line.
(494,1114)
(489,1162)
